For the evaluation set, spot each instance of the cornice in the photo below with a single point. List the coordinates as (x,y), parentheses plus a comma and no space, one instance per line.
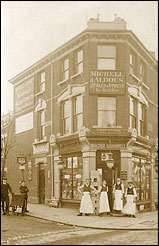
(86,35)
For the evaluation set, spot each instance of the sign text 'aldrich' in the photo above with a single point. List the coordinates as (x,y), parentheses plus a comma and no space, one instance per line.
(107,82)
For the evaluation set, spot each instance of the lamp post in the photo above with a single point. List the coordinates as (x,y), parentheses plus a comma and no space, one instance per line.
(110,160)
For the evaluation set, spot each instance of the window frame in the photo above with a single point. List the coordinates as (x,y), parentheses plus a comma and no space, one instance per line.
(79,62)
(132,115)
(42,124)
(77,114)
(42,82)
(106,58)
(65,118)
(65,69)
(132,63)
(111,110)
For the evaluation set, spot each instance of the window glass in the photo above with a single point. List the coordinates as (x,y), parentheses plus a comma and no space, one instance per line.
(66,64)
(131,59)
(78,104)
(106,111)
(79,122)
(80,56)
(106,103)
(108,51)
(67,108)
(66,125)
(42,77)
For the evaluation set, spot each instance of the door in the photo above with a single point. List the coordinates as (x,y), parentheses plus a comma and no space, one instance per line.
(41,184)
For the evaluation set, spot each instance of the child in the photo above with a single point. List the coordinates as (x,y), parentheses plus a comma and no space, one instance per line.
(103,200)
(24,190)
(118,196)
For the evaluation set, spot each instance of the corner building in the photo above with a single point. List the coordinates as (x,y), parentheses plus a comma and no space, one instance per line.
(94,96)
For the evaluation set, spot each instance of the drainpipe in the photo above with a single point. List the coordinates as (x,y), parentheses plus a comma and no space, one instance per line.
(52,164)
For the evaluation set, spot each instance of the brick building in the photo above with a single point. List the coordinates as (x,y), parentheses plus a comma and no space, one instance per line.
(87,105)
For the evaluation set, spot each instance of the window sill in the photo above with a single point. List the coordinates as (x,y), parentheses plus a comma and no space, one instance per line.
(76,75)
(39,93)
(62,82)
(107,127)
(142,83)
(36,141)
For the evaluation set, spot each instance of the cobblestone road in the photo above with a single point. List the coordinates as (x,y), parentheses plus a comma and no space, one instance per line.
(19,230)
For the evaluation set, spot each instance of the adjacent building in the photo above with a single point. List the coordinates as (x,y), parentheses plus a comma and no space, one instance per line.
(88,109)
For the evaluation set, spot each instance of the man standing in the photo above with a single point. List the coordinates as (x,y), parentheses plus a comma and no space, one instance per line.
(24,190)
(118,196)
(5,189)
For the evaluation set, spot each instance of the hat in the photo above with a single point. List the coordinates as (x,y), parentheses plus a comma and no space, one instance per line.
(129,181)
(22,181)
(4,178)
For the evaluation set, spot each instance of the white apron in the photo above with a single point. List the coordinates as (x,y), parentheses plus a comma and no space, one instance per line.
(103,203)
(118,203)
(86,203)
(130,206)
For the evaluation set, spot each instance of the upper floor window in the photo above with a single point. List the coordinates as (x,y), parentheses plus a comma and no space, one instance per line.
(66,117)
(66,69)
(141,119)
(106,57)
(132,119)
(79,60)
(132,63)
(78,113)
(42,124)
(106,111)
(42,81)
(142,72)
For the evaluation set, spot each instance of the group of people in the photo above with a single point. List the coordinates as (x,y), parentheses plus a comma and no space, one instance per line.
(86,206)
(6,189)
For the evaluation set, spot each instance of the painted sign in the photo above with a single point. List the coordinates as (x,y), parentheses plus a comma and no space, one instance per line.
(107,82)
(24,95)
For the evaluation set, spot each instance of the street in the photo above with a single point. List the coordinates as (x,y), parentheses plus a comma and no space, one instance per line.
(26,230)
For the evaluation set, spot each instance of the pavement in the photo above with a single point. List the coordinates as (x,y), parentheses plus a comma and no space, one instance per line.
(68,216)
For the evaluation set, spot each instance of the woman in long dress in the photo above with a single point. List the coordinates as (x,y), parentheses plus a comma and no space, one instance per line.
(130,206)
(86,206)
(103,199)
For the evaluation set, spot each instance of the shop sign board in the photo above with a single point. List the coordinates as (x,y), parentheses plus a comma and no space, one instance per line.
(24,95)
(21,160)
(107,82)
(105,146)
(109,131)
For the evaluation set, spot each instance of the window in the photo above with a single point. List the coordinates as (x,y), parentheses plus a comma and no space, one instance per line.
(79,60)
(72,177)
(42,124)
(66,69)
(141,119)
(142,72)
(132,122)
(42,81)
(66,117)
(106,111)
(78,113)
(132,63)
(106,57)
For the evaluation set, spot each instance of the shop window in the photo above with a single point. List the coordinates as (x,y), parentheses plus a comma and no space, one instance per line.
(79,60)
(66,69)
(71,177)
(106,111)
(42,81)
(132,63)
(66,117)
(78,113)
(106,57)
(42,124)
(132,119)
(141,178)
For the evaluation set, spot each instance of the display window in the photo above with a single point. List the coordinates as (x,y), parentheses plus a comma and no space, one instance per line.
(141,178)
(72,174)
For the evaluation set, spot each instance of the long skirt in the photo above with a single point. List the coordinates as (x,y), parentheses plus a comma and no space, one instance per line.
(118,202)
(86,204)
(103,203)
(130,206)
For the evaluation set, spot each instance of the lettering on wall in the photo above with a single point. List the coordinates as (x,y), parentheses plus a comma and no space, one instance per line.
(24,95)
(107,82)
(24,123)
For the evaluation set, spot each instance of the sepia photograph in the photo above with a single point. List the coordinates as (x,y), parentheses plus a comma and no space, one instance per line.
(79,122)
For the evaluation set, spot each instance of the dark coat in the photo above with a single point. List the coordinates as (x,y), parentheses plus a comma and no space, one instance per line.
(5,188)
(24,190)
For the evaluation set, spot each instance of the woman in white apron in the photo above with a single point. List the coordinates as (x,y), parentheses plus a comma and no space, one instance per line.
(130,206)
(103,199)
(86,206)
(118,196)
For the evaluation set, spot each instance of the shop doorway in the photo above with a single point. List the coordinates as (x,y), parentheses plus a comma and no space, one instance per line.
(41,184)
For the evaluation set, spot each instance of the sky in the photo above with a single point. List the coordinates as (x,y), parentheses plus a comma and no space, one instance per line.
(32,29)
